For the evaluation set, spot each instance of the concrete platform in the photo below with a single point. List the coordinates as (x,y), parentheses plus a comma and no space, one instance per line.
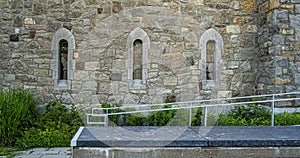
(187,141)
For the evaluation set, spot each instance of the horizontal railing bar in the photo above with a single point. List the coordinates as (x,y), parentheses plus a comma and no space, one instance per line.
(193,106)
(97,123)
(126,106)
(183,105)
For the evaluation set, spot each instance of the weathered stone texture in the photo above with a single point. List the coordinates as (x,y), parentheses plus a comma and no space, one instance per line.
(260,52)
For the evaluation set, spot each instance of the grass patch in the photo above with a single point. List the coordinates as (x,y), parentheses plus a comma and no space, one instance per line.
(22,125)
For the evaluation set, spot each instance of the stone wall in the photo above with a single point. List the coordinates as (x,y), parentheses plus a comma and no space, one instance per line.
(248,60)
(278,41)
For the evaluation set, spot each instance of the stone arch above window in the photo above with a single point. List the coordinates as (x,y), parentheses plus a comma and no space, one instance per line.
(211,46)
(62,64)
(138,44)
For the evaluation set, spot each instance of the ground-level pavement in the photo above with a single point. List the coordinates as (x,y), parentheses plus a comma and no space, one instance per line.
(58,152)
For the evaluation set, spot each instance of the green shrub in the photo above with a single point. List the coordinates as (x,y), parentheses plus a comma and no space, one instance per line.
(159,118)
(116,119)
(247,115)
(55,127)
(287,119)
(197,120)
(254,115)
(17,113)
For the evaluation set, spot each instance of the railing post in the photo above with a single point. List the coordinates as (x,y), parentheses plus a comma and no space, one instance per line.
(190,117)
(106,120)
(273,109)
(205,116)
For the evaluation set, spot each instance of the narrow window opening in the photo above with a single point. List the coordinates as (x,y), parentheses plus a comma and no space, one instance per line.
(63,59)
(210,60)
(137,59)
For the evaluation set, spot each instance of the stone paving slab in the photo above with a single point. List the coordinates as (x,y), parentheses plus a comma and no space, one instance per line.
(59,152)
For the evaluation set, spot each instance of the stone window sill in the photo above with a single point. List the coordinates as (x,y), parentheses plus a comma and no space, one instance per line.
(137,84)
(209,84)
(62,85)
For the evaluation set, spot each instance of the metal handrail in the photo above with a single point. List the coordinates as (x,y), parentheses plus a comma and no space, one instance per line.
(125,106)
(189,105)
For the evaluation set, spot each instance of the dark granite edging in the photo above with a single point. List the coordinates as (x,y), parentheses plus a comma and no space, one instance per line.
(217,136)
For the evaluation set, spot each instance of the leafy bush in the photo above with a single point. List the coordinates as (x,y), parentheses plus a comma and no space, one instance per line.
(197,120)
(287,119)
(254,115)
(17,113)
(55,127)
(247,115)
(159,118)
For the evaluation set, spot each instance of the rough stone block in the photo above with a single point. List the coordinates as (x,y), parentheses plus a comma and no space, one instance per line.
(29,21)
(80,66)
(242,20)
(224,94)
(172,60)
(297,8)
(116,7)
(297,79)
(104,88)
(38,27)
(295,20)
(92,66)
(116,77)
(278,39)
(5,40)
(264,6)
(170,81)
(81,75)
(287,6)
(233,29)
(249,28)
(281,16)
(9,77)
(246,66)
(89,85)
(86,22)
(274,4)
(208,84)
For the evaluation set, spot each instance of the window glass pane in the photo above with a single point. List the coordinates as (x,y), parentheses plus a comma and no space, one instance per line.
(210,63)
(137,59)
(63,59)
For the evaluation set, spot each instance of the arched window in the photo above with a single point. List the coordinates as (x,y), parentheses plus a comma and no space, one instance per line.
(138,44)
(62,63)
(211,46)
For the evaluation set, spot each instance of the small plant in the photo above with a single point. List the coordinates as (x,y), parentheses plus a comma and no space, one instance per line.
(162,118)
(17,113)
(247,115)
(22,125)
(254,115)
(7,152)
(287,119)
(159,118)
(55,127)
(197,120)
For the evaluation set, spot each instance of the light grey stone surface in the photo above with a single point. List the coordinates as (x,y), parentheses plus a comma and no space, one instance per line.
(257,48)
(58,152)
